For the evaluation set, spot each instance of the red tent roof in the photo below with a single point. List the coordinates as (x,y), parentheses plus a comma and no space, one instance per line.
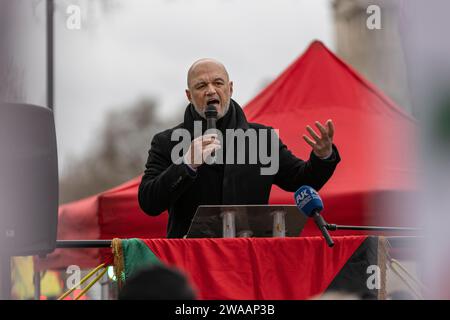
(374,138)
(371,131)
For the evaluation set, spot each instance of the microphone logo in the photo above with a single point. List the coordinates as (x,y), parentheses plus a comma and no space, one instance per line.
(308,200)
(301,196)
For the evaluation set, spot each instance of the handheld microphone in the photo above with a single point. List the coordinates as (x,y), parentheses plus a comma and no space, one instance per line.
(310,204)
(211,118)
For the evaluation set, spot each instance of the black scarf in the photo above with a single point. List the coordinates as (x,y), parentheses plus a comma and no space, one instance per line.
(211,176)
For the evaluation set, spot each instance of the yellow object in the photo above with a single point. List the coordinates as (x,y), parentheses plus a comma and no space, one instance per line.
(90,274)
(91,284)
(22,271)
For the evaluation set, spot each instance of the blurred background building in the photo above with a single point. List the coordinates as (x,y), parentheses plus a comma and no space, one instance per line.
(376,54)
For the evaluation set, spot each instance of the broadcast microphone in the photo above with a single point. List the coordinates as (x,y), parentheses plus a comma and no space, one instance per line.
(211,118)
(309,203)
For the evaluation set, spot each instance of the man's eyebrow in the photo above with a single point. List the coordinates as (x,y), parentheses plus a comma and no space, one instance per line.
(202,82)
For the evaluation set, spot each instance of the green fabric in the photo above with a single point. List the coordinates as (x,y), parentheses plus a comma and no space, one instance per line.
(136,255)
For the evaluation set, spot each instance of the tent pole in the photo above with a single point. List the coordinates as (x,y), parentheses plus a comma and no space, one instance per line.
(37,285)
(50,53)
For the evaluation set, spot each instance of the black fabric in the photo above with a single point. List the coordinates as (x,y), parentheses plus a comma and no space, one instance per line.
(174,187)
(352,278)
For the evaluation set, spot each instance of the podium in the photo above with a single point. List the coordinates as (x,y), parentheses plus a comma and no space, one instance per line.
(232,221)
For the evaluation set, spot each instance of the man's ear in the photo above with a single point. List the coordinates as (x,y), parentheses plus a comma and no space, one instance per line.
(188,95)
(231,88)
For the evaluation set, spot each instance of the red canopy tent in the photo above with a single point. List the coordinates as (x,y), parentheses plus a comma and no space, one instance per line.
(374,137)
(111,214)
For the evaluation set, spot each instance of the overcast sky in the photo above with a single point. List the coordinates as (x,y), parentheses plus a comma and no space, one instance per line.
(143,48)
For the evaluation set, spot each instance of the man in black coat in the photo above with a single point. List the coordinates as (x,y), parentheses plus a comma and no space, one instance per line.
(180,182)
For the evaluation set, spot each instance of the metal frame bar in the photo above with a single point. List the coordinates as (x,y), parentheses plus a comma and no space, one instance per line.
(395,241)
(50,54)
(5,277)
(80,244)
(334,227)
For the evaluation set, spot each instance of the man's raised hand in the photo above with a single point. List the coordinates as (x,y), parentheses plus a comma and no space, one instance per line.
(322,145)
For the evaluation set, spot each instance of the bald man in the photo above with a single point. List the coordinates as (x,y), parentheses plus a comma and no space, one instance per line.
(181,183)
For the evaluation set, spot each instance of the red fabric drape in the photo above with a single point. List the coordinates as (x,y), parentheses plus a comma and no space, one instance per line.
(257,268)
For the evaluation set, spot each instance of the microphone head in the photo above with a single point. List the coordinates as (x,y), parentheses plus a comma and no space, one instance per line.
(308,200)
(211,111)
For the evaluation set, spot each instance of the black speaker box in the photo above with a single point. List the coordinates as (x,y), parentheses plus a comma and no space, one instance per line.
(28,180)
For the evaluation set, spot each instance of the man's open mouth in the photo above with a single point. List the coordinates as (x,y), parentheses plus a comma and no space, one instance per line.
(213,101)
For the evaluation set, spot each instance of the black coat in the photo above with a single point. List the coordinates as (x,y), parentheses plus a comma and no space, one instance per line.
(176,187)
